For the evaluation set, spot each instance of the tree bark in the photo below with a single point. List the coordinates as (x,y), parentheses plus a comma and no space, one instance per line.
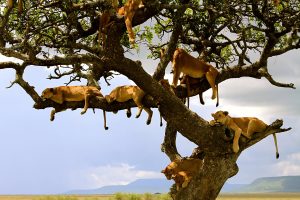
(217,167)
(207,184)
(213,144)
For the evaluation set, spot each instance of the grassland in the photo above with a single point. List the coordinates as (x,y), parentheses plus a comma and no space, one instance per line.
(119,196)
(271,196)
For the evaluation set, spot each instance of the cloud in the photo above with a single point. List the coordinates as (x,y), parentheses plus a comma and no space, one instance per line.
(118,174)
(10,59)
(290,166)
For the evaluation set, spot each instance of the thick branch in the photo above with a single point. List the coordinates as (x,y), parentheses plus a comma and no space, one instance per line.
(8,65)
(254,70)
(169,144)
(11,53)
(161,67)
(273,128)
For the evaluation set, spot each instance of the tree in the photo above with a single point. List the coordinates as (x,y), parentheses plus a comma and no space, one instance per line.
(64,35)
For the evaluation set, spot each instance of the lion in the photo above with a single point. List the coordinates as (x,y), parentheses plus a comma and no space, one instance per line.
(105,22)
(246,126)
(182,179)
(182,62)
(126,93)
(72,93)
(191,165)
(186,80)
(127,11)
(130,7)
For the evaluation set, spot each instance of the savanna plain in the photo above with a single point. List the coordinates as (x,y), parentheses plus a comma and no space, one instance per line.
(120,196)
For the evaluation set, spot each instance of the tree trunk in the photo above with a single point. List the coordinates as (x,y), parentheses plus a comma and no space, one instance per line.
(217,167)
(207,184)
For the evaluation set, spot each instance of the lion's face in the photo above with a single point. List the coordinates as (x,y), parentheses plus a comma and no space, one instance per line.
(169,170)
(220,116)
(47,93)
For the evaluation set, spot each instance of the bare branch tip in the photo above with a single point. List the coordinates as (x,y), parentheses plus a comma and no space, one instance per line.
(11,84)
(287,129)
(292,85)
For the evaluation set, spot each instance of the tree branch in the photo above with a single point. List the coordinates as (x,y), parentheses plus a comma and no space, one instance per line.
(273,128)
(268,76)
(25,85)
(169,144)
(169,51)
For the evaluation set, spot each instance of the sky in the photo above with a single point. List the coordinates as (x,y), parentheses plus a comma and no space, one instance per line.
(75,152)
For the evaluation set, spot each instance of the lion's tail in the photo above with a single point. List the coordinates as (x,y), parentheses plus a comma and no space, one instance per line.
(276,145)
(104,118)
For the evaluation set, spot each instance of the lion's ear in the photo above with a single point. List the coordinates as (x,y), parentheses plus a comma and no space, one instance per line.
(225,113)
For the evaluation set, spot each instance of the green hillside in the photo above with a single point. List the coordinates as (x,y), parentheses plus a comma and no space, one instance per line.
(273,184)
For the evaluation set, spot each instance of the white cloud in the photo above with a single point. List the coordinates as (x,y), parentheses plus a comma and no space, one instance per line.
(119,174)
(10,59)
(290,166)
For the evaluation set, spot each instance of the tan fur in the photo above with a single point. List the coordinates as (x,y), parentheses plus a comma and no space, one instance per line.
(104,21)
(184,63)
(246,126)
(125,93)
(10,4)
(121,11)
(189,165)
(185,80)
(182,179)
(130,7)
(71,93)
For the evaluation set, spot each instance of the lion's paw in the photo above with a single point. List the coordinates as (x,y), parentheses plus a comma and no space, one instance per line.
(236,148)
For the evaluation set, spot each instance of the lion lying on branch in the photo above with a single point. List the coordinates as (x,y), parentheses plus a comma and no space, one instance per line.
(72,93)
(183,62)
(126,93)
(246,126)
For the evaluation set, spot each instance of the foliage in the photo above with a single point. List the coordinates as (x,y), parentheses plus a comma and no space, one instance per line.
(64,35)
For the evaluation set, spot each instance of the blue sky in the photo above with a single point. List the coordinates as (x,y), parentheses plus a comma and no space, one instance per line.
(75,152)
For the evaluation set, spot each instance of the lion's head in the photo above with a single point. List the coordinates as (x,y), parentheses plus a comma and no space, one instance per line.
(220,116)
(170,170)
(47,93)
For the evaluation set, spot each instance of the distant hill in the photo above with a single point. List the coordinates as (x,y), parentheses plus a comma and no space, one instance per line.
(273,184)
(260,185)
(232,188)
(138,186)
